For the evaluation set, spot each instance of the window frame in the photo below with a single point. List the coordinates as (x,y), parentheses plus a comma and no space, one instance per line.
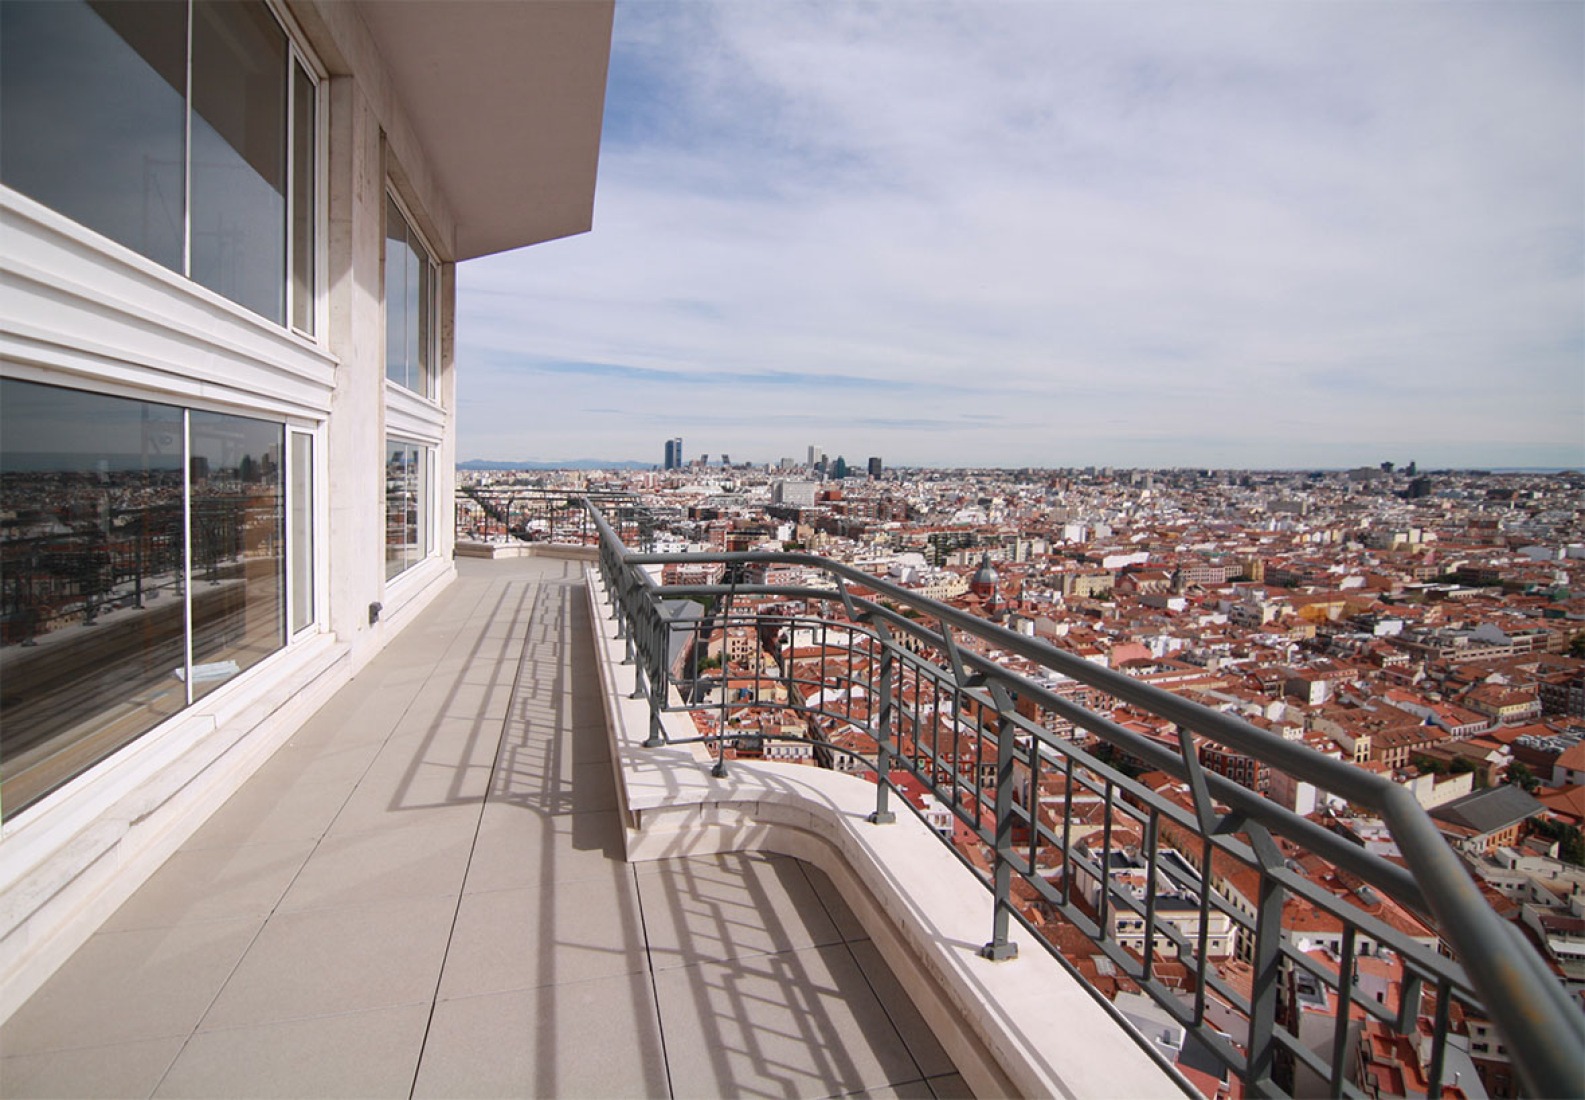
(429,336)
(316,562)
(297,58)
(297,54)
(186,405)
(426,526)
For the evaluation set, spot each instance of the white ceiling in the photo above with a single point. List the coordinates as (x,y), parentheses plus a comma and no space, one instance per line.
(507,98)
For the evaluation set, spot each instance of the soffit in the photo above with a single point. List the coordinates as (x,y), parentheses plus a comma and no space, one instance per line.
(506,99)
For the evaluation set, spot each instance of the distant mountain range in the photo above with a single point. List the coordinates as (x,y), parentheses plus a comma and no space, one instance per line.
(575,464)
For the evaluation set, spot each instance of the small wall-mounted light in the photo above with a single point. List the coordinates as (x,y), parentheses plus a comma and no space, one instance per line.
(374,612)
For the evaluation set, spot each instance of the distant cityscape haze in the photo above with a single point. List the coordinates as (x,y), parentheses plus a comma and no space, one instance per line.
(1298,235)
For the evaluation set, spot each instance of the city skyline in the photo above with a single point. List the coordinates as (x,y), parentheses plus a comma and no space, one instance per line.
(1061,235)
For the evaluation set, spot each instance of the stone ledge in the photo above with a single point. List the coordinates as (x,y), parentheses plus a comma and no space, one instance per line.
(470,548)
(1026,1027)
(74,858)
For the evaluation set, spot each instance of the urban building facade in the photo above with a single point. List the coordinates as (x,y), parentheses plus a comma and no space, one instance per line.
(227,382)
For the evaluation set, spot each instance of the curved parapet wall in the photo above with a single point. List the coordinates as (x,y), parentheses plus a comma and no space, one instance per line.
(1024,1027)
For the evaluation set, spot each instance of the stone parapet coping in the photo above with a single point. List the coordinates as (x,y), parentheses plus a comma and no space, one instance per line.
(1024,1027)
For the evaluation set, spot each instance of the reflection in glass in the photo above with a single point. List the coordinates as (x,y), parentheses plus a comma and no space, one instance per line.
(409,287)
(93,568)
(302,200)
(91,573)
(92,118)
(407,496)
(239,545)
(239,154)
(395,295)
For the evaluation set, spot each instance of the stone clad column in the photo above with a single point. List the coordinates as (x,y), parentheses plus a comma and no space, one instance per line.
(354,444)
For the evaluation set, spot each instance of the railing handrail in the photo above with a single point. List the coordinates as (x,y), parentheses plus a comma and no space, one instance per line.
(1541,1027)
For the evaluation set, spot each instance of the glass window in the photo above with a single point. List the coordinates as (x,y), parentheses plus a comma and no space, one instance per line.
(239,155)
(93,116)
(239,545)
(303,153)
(91,580)
(94,571)
(408,494)
(301,498)
(97,99)
(409,305)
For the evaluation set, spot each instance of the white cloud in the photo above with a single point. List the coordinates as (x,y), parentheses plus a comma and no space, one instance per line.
(1041,233)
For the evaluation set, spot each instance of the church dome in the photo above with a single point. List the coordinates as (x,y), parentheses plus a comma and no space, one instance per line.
(985,580)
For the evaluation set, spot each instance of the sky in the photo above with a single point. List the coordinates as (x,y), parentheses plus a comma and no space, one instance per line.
(1060,234)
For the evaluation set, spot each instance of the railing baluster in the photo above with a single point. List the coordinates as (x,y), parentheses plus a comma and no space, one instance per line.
(1444,997)
(1345,1006)
(883,732)
(1103,908)
(1032,807)
(1000,948)
(1199,991)
(1266,982)
(1149,841)
(1067,831)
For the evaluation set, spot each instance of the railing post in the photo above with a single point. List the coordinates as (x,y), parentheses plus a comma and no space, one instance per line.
(635,654)
(883,730)
(658,683)
(1000,948)
(1266,979)
(619,600)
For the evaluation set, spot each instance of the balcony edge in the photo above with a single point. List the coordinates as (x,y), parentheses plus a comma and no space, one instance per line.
(1024,1027)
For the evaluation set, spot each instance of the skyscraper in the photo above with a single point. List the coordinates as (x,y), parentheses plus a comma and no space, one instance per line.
(875,466)
(673,454)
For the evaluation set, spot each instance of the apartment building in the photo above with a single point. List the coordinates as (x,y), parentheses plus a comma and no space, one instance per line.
(228,383)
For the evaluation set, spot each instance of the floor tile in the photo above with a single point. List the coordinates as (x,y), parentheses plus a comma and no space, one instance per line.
(424,795)
(332,760)
(124,1070)
(921,1041)
(913,1090)
(800,1023)
(848,925)
(407,859)
(458,741)
(730,907)
(526,779)
(357,1054)
(260,814)
(197,884)
(518,846)
(347,959)
(125,986)
(583,1039)
(568,932)
(950,1087)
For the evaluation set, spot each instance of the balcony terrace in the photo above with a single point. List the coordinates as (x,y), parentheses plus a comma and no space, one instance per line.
(425,893)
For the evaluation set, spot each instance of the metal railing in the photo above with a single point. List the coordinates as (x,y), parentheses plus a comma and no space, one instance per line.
(541,514)
(1060,829)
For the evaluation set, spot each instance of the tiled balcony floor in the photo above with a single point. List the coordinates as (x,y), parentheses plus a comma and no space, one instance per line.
(423,894)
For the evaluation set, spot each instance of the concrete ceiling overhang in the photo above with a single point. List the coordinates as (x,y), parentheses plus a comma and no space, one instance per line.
(506,97)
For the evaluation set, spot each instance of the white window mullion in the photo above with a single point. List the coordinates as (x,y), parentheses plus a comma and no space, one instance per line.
(289,225)
(187,167)
(187,553)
